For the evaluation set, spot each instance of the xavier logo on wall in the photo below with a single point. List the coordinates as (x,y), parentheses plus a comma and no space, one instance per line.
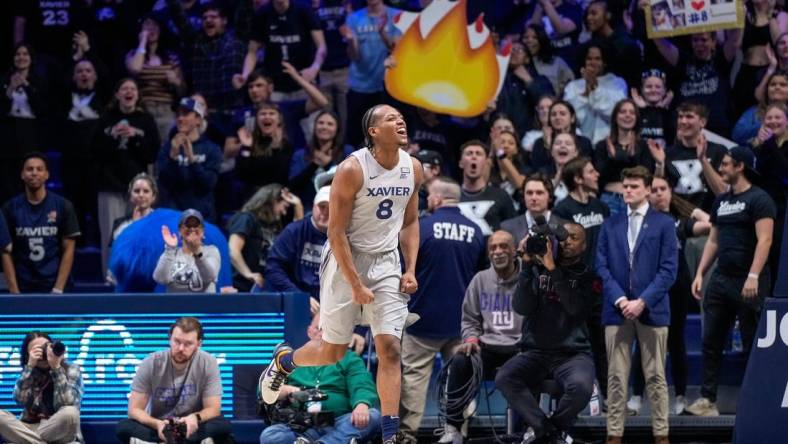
(444,64)
(762,410)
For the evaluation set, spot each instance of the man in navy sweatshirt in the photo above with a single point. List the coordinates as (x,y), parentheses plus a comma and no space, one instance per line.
(294,259)
(189,164)
(451,247)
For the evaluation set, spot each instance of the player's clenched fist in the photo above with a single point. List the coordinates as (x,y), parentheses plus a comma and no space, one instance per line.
(362,295)
(408,283)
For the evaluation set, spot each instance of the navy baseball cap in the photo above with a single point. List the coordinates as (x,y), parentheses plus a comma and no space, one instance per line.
(745,155)
(189,104)
(191,212)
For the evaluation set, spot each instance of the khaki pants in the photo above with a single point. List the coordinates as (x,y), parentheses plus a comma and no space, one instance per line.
(653,343)
(62,427)
(418,357)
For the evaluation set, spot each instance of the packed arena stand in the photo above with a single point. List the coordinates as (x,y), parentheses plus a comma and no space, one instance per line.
(236,114)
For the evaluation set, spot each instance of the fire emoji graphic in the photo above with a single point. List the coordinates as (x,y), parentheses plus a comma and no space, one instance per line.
(443,64)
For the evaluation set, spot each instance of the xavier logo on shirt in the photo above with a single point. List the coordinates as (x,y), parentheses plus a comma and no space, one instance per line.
(729,208)
(589,220)
(476,211)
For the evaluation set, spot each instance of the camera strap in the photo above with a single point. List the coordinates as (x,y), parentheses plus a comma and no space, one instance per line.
(183,384)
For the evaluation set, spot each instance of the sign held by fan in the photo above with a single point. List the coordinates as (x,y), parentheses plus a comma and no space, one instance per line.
(667,18)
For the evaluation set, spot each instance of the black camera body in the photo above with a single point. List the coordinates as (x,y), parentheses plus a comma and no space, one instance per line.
(294,412)
(540,234)
(174,432)
(57,348)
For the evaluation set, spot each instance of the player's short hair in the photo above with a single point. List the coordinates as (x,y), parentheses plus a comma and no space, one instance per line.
(448,187)
(692,106)
(214,6)
(573,223)
(638,172)
(368,121)
(257,74)
(573,169)
(475,142)
(509,238)
(35,155)
(544,180)
(187,324)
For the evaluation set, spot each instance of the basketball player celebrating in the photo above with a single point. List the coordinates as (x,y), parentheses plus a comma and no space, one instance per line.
(373,204)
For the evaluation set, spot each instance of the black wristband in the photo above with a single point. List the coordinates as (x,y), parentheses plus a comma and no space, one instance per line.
(199,418)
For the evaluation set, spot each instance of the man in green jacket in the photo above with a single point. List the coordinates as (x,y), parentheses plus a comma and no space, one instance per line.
(351,397)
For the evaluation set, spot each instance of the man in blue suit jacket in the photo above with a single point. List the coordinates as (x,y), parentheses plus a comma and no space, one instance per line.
(637,259)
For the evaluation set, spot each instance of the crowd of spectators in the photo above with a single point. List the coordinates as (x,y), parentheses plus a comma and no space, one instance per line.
(237,111)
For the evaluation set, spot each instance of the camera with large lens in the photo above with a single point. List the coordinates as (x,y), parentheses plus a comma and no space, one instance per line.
(540,234)
(57,348)
(296,413)
(174,432)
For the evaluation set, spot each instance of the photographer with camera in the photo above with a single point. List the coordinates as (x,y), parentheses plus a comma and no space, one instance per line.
(176,394)
(555,296)
(50,393)
(331,404)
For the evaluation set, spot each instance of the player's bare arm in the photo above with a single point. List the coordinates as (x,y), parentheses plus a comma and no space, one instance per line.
(409,235)
(347,182)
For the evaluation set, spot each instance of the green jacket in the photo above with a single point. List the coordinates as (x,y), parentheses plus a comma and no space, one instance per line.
(347,383)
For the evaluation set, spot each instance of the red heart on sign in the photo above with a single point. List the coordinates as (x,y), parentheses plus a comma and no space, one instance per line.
(698,5)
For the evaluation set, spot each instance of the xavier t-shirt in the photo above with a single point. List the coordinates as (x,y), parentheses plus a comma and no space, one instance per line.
(734,216)
(487,208)
(590,215)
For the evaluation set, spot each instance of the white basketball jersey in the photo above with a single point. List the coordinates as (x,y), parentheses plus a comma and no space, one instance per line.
(379,207)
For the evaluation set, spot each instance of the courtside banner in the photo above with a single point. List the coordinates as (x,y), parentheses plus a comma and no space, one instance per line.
(762,411)
(668,18)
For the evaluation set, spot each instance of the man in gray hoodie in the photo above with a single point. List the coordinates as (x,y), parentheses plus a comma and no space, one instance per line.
(490,327)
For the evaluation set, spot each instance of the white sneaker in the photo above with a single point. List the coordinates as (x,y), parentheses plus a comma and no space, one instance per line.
(134,440)
(703,407)
(633,405)
(451,435)
(679,405)
(273,377)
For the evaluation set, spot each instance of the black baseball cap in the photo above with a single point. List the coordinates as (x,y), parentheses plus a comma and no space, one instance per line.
(745,155)
(430,157)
